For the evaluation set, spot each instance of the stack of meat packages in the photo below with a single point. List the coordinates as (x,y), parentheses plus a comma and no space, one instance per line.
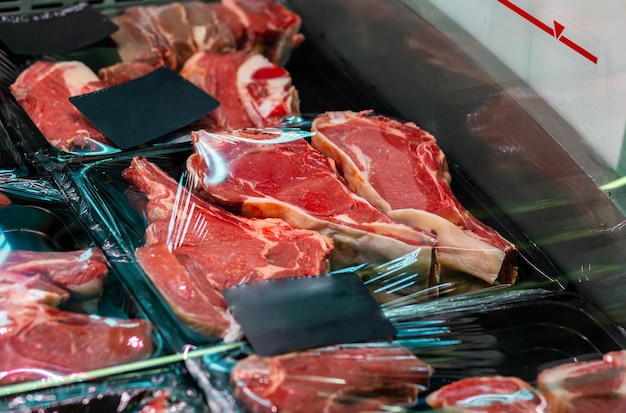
(48,316)
(232,50)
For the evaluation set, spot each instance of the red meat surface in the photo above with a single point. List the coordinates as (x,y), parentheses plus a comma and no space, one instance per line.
(39,341)
(343,378)
(195,249)
(495,394)
(248,173)
(400,168)
(43,90)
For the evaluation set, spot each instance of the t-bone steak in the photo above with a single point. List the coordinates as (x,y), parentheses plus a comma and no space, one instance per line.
(342,378)
(249,173)
(43,91)
(400,168)
(195,249)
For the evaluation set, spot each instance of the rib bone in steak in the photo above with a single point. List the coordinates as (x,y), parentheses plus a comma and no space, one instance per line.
(400,168)
(252,91)
(252,175)
(344,378)
(38,340)
(195,249)
(43,90)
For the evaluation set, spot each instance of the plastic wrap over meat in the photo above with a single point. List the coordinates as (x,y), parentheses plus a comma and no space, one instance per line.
(194,249)
(57,311)
(253,173)
(343,378)
(401,169)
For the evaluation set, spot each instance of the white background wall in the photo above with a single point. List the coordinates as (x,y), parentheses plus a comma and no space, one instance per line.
(591,97)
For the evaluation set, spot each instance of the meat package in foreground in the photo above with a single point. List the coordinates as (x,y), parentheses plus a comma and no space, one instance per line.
(586,386)
(252,91)
(494,394)
(249,173)
(43,90)
(39,341)
(195,249)
(399,168)
(335,379)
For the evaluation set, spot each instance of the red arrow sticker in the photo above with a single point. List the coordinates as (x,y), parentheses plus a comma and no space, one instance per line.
(556,31)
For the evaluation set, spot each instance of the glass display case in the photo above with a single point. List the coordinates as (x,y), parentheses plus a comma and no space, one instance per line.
(464,160)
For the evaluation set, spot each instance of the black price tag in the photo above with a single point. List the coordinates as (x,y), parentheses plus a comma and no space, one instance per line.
(290,314)
(55,31)
(146,108)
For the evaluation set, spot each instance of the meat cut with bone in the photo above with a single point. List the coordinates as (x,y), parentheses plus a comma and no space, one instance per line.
(252,91)
(43,90)
(195,249)
(399,168)
(249,173)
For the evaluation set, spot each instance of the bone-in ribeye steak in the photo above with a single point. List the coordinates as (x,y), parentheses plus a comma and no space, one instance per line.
(195,249)
(400,168)
(38,339)
(343,378)
(43,90)
(294,182)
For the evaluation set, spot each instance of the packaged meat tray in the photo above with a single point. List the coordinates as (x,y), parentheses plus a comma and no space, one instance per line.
(168,67)
(162,231)
(517,335)
(65,309)
(168,388)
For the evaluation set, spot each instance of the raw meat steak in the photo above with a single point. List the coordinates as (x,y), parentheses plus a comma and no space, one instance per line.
(399,168)
(123,72)
(4,200)
(39,341)
(52,295)
(343,378)
(272,29)
(294,182)
(215,29)
(192,243)
(252,91)
(496,394)
(43,90)
(80,272)
(139,39)
(586,386)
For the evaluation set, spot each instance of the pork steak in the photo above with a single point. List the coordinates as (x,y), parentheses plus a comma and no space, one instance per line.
(195,249)
(43,91)
(342,378)
(251,173)
(400,168)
